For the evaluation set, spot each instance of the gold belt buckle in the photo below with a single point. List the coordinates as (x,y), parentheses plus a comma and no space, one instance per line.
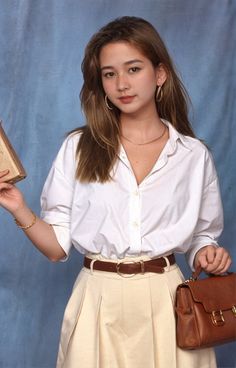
(129,262)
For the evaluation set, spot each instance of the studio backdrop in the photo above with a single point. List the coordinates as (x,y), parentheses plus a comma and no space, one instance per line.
(41,49)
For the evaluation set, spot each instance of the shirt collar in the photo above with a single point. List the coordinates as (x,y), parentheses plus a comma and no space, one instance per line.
(175,136)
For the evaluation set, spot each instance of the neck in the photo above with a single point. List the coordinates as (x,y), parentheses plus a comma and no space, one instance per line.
(141,128)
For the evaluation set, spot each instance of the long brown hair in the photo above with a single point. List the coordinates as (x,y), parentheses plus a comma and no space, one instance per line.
(99,143)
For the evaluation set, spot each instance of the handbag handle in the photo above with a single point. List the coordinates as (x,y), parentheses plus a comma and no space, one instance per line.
(199,269)
(196,273)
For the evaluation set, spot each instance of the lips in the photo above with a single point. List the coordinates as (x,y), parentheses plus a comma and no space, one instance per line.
(126,99)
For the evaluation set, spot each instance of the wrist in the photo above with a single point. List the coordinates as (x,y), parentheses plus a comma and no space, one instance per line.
(24,218)
(29,225)
(21,210)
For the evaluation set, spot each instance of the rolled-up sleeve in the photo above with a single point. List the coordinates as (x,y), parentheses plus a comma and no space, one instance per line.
(210,220)
(57,194)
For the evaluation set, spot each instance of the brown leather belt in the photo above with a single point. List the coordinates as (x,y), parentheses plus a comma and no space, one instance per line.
(154,265)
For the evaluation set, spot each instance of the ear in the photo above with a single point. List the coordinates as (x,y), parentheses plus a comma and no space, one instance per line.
(161,74)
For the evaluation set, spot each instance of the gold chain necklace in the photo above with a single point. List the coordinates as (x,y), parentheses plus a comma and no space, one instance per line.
(148,142)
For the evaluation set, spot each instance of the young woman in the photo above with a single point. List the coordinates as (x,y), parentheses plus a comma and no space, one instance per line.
(128,190)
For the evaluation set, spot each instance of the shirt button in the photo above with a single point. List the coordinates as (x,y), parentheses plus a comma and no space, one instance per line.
(136,193)
(135,224)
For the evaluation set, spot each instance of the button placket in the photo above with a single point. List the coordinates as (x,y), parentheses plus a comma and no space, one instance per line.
(135,218)
(123,157)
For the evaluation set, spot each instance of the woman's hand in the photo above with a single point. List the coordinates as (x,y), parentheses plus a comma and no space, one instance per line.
(39,232)
(10,197)
(213,259)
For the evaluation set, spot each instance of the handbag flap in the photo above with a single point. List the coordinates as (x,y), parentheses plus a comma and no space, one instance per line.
(215,293)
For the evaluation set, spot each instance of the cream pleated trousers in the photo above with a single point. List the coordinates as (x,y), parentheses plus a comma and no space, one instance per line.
(125,322)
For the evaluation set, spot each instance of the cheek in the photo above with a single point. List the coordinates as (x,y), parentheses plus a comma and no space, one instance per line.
(147,81)
(148,88)
(105,84)
(108,86)
(152,81)
(152,85)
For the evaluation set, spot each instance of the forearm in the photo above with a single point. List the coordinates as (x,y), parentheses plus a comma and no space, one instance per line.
(40,233)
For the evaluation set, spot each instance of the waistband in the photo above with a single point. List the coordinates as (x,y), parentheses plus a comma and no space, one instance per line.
(156,265)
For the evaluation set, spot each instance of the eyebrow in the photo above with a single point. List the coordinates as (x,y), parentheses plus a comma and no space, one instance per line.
(126,63)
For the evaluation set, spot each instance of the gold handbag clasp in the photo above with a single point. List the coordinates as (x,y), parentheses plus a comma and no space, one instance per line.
(217,318)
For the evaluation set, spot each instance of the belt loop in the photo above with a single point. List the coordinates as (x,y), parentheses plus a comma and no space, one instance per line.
(142,267)
(167,268)
(91,265)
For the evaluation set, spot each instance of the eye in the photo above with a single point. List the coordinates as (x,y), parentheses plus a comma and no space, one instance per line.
(108,74)
(134,69)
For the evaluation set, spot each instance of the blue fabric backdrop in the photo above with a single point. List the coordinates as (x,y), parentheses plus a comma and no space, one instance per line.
(41,48)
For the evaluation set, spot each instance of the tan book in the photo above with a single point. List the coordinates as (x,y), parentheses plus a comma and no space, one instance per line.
(9,160)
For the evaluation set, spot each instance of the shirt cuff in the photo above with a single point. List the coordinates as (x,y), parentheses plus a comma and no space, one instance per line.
(63,237)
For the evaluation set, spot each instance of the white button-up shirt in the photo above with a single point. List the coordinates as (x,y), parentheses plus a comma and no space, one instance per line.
(176,208)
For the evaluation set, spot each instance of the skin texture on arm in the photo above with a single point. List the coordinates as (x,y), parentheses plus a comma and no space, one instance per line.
(40,233)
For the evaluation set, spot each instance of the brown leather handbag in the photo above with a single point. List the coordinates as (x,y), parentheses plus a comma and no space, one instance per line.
(206,311)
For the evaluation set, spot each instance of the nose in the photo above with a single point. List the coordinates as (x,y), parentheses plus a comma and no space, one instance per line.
(122,82)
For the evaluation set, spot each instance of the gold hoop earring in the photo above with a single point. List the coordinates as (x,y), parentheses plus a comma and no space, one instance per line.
(106,103)
(159,94)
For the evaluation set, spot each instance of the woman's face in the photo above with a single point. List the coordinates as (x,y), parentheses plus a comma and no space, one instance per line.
(129,78)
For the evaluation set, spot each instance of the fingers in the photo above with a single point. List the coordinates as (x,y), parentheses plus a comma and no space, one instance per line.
(225,268)
(205,257)
(221,262)
(214,260)
(5,186)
